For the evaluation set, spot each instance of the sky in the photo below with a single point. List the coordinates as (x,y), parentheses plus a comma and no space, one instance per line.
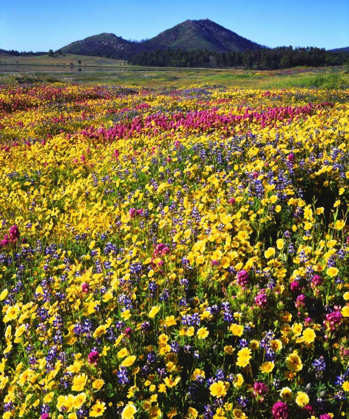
(40,25)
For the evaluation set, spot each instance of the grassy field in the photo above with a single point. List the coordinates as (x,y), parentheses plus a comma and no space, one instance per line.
(333,77)
(59,60)
(99,70)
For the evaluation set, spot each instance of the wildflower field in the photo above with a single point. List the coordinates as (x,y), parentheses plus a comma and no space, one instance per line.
(173,254)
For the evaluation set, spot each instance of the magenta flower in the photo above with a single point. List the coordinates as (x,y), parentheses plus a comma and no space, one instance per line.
(93,358)
(280,410)
(5,241)
(291,157)
(295,287)
(45,416)
(309,409)
(14,233)
(308,321)
(260,388)
(261,299)
(300,301)
(316,280)
(161,250)
(333,319)
(128,331)
(85,287)
(242,278)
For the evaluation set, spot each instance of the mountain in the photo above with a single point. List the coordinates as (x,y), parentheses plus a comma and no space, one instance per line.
(345,49)
(188,35)
(202,34)
(105,44)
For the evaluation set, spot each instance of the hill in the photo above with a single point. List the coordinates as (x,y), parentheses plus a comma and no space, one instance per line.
(345,49)
(188,35)
(105,45)
(202,34)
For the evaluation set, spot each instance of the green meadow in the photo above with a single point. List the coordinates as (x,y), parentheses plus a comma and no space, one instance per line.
(79,69)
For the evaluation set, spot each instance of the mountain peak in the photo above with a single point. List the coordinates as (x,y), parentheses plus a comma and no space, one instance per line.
(203,34)
(188,35)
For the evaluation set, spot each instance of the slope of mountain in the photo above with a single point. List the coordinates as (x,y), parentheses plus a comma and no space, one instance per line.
(191,34)
(345,49)
(105,44)
(202,34)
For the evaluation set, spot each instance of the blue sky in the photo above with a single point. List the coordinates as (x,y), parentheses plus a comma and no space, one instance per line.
(40,25)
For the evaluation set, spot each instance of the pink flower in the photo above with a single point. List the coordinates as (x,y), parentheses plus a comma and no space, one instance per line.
(161,250)
(309,409)
(5,241)
(295,287)
(231,201)
(300,301)
(308,321)
(45,416)
(261,299)
(291,157)
(14,233)
(93,358)
(242,278)
(280,410)
(316,280)
(128,331)
(260,388)
(85,287)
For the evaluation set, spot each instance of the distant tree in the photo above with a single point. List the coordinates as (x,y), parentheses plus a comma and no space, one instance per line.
(248,60)
(213,62)
(286,62)
(59,52)
(50,53)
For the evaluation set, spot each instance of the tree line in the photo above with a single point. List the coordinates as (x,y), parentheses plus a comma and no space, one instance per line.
(261,59)
(15,53)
